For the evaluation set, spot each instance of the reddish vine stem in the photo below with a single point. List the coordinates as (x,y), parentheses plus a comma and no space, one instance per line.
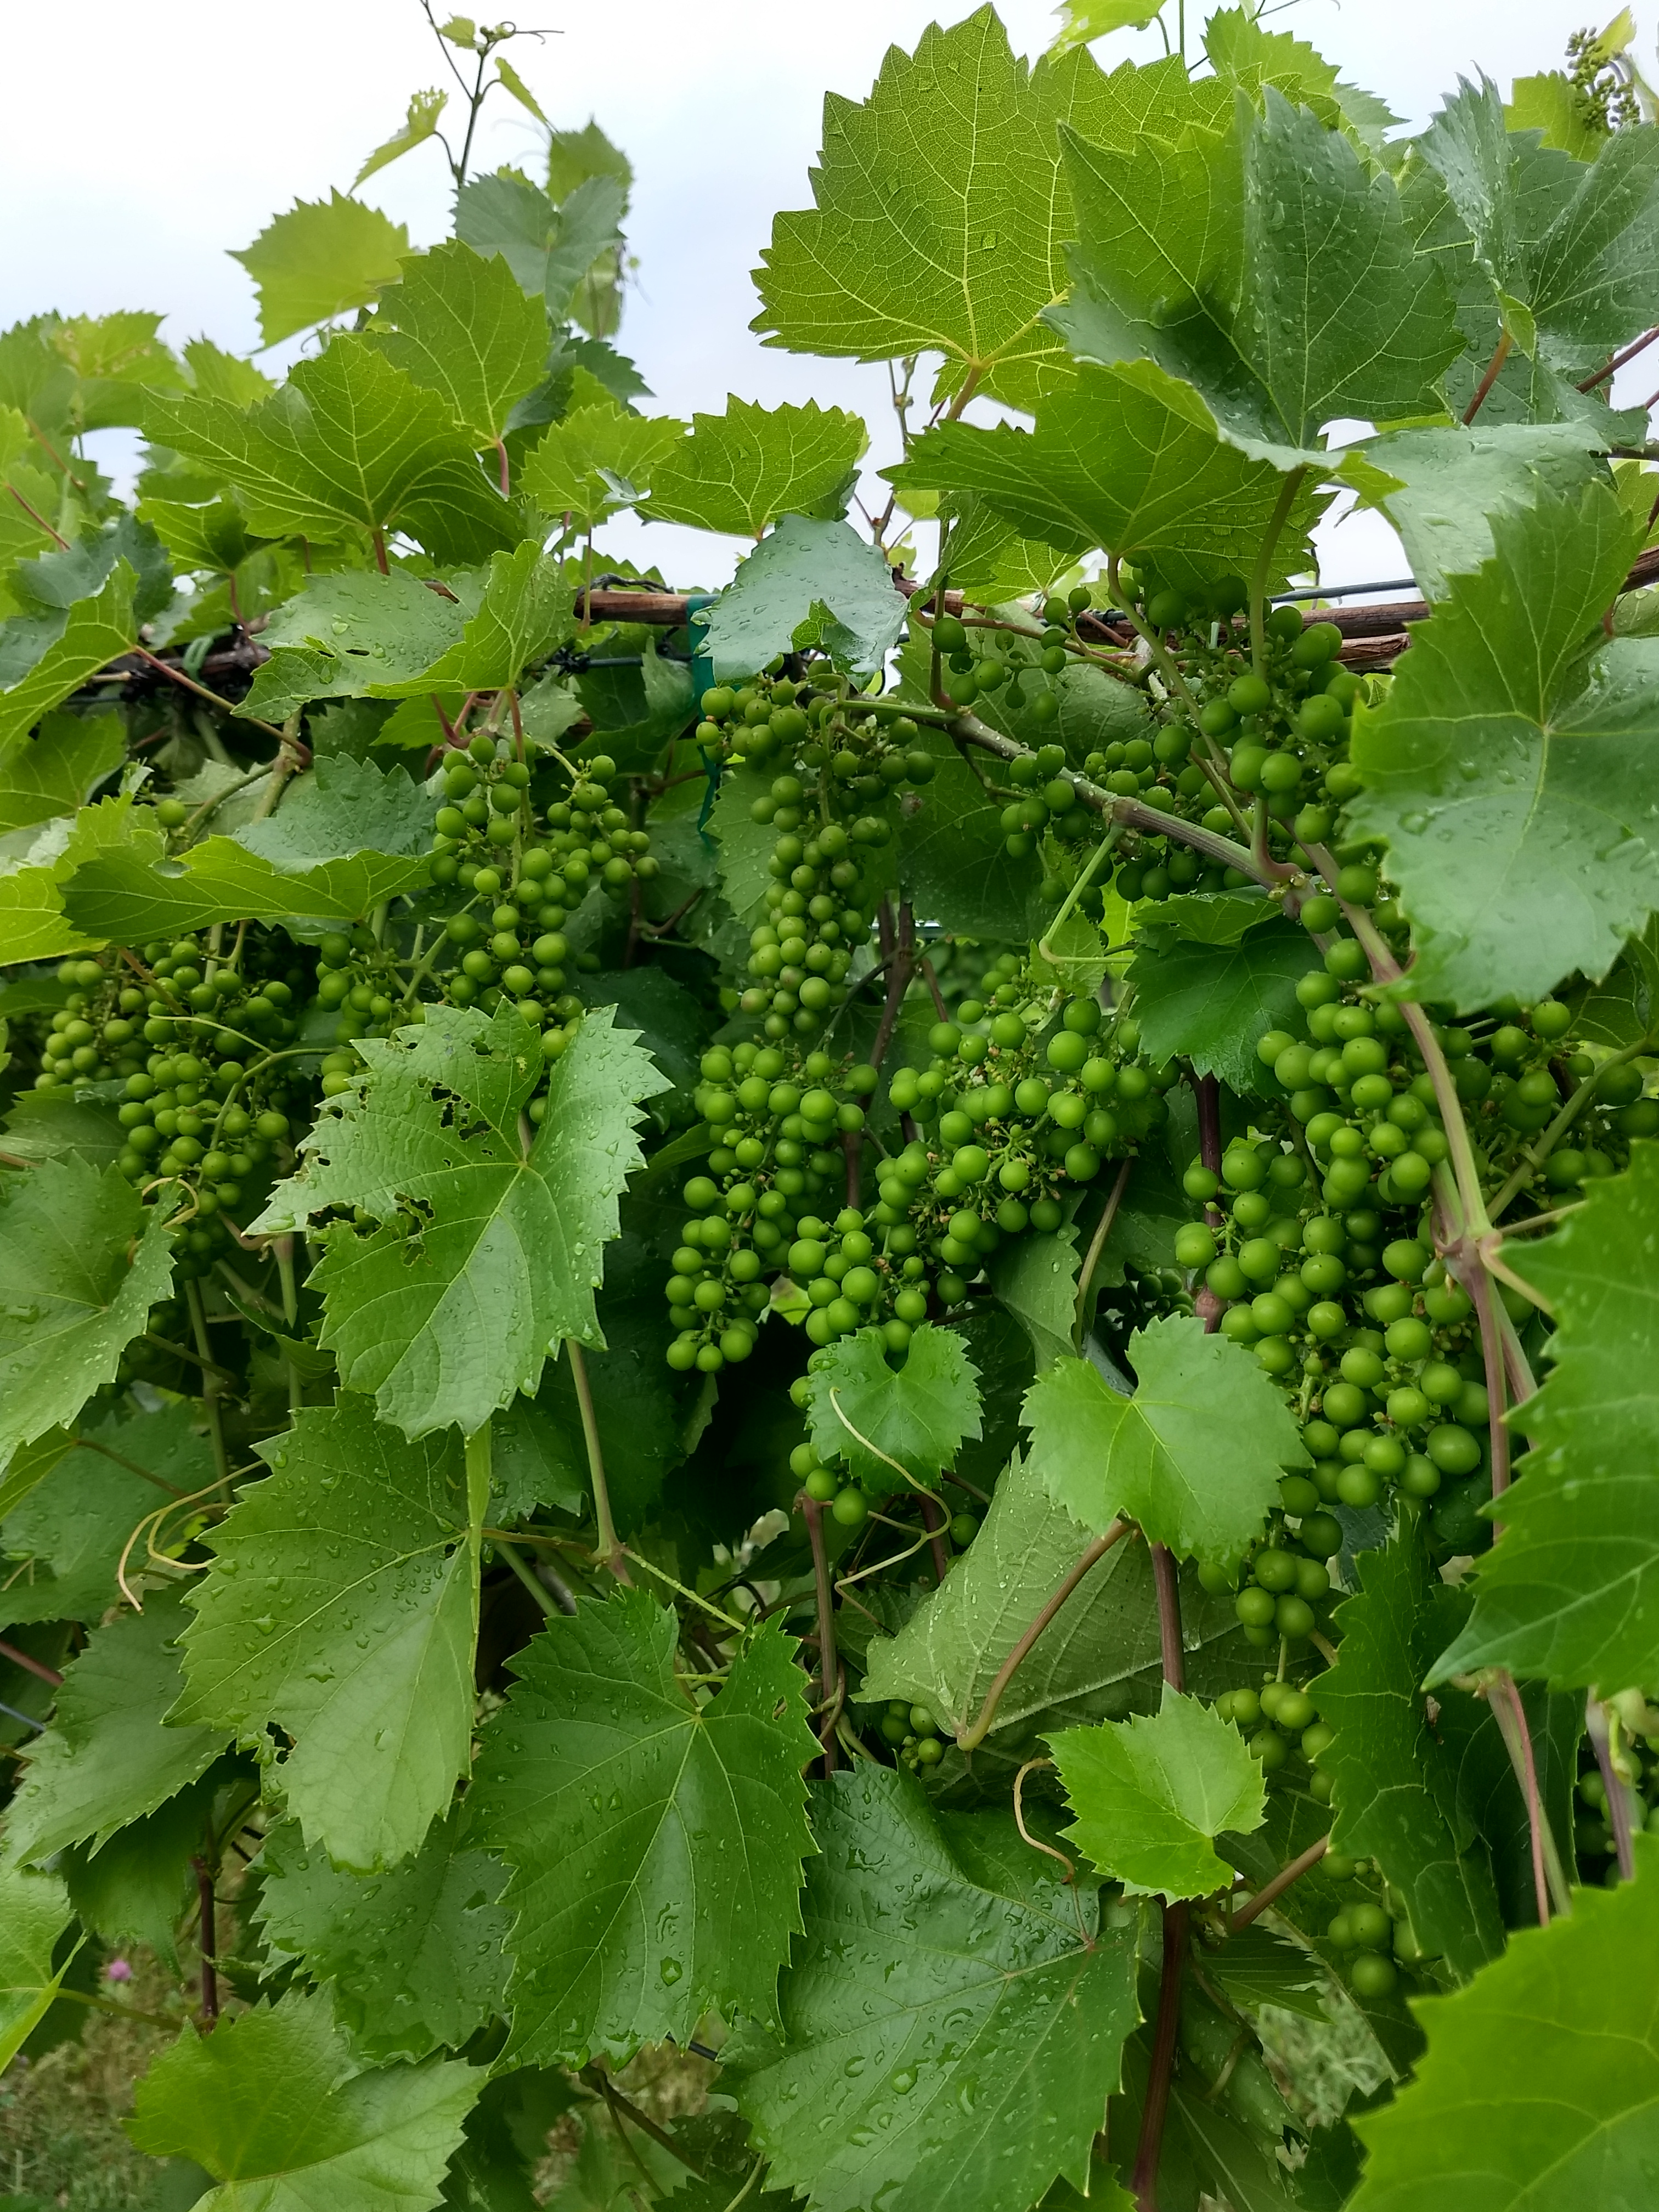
(828,1667)
(1271,1892)
(1511,1717)
(1500,354)
(208,1941)
(936,1520)
(1144,2185)
(30,1666)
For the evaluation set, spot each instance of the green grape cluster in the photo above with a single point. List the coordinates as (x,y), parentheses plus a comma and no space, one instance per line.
(203,1107)
(98,1031)
(1026,668)
(496,809)
(779,1126)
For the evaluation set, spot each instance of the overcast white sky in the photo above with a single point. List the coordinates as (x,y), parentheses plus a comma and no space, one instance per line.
(141,143)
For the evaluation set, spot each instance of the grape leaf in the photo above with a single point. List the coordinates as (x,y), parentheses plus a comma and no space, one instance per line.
(353,634)
(1126,459)
(342,1606)
(1153,1457)
(137,1888)
(82,1262)
(491,1245)
(1210,1004)
(321,259)
(413,1957)
(34,1911)
(953,850)
(1098,1660)
(1440,487)
(655,1843)
(549,249)
(738,472)
(1242,54)
(1553,104)
(44,657)
(53,769)
(1511,769)
(76,1515)
(1580,261)
(460,325)
(1569,1590)
(276,2108)
(598,459)
(894,1427)
(1035,1278)
(420,123)
(949,2036)
(1263,260)
(1392,1786)
(939,211)
(1150,1795)
(107,1758)
(807,583)
(350,443)
(348,837)
(526,607)
(1561,2114)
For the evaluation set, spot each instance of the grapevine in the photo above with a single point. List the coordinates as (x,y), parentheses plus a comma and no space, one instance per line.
(834,1394)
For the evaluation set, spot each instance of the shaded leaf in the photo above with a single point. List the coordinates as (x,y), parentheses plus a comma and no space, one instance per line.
(950,2033)
(34,1911)
(412,1959)
(655,1843)
(1210,1004)
(807,584)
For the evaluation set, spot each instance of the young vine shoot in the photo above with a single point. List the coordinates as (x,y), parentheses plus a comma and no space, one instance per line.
(889,1333)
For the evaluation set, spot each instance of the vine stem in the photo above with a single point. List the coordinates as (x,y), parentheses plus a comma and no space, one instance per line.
(1548,1877)
(1613,1784)
(1276,522)
(30,1665)
(610,1547)
(1097,1247)
(829,1666)
(212,1386)
(1500,354)
(1143,2187)
(208,1941)
(977,1730)
(1271,1892)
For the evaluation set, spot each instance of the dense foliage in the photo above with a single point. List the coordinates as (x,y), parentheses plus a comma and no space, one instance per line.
(802,1322)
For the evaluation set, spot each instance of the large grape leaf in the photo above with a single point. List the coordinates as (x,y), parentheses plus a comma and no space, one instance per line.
(1569,1592)
(353,633)
(1513,770)
(460,325)
(953,2019)
(807,583)
(52,770)
(44,657)
(107,1758)
(82,1262)
(1154,1457)
(1394,1788)
(321,259)
(343,1607)
(1126,459)
(34,1911)
(1441,487)
(885,1424)
(350,443)
(738,472)
(280,2110)
(1098,1660)
(655,1843)
(549,248)
(1571,252)
(1262,259)
(1150,1795)
(941,210)
(596,459)
(492,1239)
(348,837)
(412,1958)
(1539,2087)
(1210,1003)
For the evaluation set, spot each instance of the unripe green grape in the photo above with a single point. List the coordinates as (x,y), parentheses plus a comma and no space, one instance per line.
(850,1507)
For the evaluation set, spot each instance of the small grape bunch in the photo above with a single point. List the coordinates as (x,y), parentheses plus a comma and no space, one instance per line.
(1272,1719)
(495,817)
(1028,665)
(798,960)
(1285,1581)
(96,1033)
